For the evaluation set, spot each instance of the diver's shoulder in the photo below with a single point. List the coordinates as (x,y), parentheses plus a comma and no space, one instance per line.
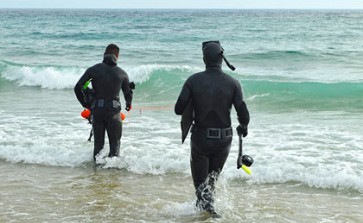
(196,75)
(94,68)
(96,65)
(228,76)
(231,79)
(121,71)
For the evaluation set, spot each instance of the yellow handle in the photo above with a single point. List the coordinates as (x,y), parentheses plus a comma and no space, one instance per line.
(245,168)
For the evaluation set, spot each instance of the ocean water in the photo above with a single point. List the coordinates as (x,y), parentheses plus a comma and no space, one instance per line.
(301,72)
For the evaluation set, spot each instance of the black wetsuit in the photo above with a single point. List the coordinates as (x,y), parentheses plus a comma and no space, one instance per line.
(213,93)
(107,81)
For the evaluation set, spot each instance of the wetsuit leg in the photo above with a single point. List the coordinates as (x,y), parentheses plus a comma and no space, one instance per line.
(216,166)
(217,161)
(99,127)
(200,174)
(207,161)
(204,165)
(114,132)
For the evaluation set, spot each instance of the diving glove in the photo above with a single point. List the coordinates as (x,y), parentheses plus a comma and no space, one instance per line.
(242,130)
(128,107)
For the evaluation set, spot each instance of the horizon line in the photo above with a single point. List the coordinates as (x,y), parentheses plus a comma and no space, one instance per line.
(185,8)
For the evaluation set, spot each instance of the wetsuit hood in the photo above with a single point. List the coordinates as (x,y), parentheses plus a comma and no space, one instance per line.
(110,59)
(212,54)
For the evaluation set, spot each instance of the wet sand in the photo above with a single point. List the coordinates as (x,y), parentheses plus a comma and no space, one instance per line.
(34,193)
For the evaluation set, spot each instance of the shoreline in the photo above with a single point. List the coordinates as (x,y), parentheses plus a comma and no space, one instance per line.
(35,193)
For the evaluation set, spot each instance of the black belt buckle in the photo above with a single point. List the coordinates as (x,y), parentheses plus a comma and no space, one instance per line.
(101,103)
(227,133)
(214,133)
(116,104)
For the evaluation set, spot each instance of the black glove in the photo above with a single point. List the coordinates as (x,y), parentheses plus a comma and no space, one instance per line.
(242,130)
(128,107)
(132,85)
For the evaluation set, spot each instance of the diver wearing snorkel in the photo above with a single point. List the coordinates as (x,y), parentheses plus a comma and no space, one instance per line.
(208,97)
(107,80)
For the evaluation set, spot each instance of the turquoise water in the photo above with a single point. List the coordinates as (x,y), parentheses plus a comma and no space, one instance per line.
(301,73)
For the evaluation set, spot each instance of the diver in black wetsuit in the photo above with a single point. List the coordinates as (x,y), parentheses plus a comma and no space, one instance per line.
(107,80)
(212,93)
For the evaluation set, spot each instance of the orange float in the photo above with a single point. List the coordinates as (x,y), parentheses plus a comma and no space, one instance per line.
(86,113)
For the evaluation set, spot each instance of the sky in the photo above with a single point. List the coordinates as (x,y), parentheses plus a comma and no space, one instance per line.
(197,4)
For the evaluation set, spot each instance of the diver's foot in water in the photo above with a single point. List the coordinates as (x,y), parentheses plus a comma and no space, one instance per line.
(214,214)
(209,208)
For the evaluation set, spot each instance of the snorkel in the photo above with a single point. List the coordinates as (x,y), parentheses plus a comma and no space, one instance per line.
(226,61)
(85,86)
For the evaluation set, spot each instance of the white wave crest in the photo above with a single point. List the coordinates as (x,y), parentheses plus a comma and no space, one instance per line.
(44,77)
(66,77)
(141,74)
